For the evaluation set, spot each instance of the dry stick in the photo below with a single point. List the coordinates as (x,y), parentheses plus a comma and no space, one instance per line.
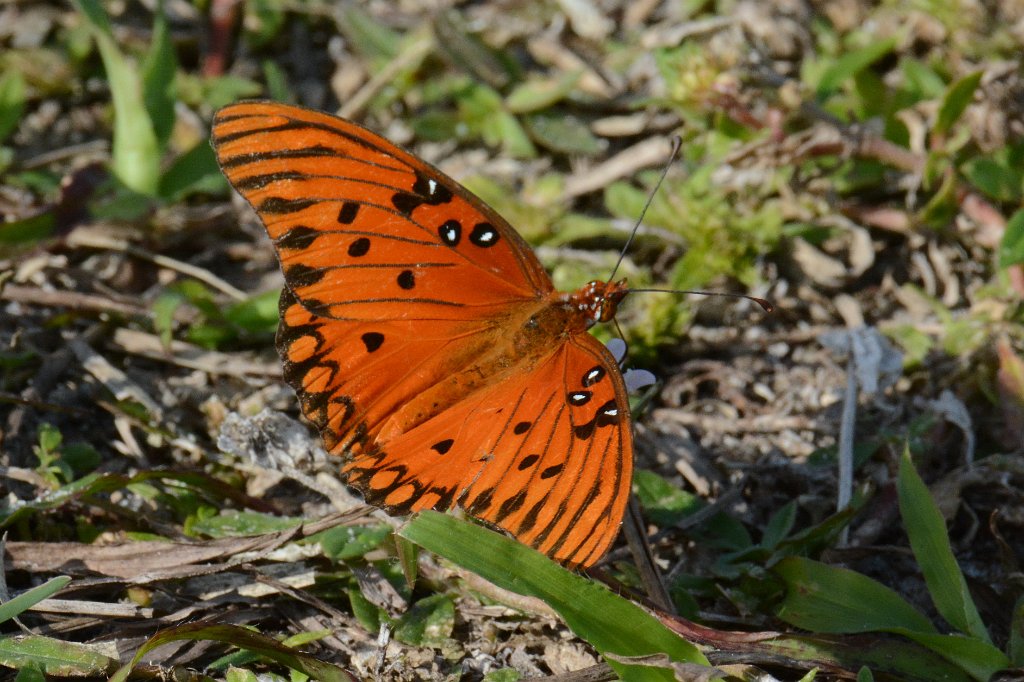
(96,241)
(643,557)
(845,483)
(413,54)
(857,141)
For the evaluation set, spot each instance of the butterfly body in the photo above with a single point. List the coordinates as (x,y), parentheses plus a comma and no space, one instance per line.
(425,340)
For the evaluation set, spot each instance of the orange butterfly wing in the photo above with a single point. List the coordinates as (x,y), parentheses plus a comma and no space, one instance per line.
(404,294)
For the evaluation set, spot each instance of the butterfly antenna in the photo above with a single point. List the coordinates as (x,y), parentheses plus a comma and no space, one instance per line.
(766,305)
(677,142)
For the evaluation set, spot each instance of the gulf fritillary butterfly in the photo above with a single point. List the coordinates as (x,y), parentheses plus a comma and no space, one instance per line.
(425,339)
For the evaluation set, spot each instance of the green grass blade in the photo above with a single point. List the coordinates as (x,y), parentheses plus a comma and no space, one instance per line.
(243,639)
(824,598)
(136,154)
(850,64)
(613,625)
(158,78)
(979,659)
(958,96)
(12,102)
(27,599)
(926,530)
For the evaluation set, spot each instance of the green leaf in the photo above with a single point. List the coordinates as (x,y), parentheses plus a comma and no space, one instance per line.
(997,180)
(429,622)
(348,542)
(11,608)
(158,69)
(257,314)
(1016,643)
(848,65)
(12,101)
(958,96)
(233,523)
(1011,249)
(243,639)
(610,623)
(59,658)
(979,659)
(364,610)
(31,229)
(195,171)
(663,503)
(824,598)
(541,93)
(779,525)
(926,531)
(563,133)
(136,152)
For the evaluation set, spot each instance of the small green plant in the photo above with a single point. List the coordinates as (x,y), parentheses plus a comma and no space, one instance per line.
(61,463)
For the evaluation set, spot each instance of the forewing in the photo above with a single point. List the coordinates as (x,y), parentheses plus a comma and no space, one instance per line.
(395,275)
(364,230)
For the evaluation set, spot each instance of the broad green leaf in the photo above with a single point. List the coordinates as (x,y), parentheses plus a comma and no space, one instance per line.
(824,598)
(11,608)
(779,525)
(849,64)
(234,523)
(1016,644)
(926,531)
(12,101)
(349,542)
(258,314)
(663,503)
(563,133)
(195,171)
(31,229)
(364,610)
(428,622)
(55,657)
(997,180)
(1011,249)
(541,93)
(136,152)
(243,639)
(981,660)
(958,96)
(610,623)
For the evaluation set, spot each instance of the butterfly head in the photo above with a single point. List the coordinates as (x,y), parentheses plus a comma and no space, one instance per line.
(599,300)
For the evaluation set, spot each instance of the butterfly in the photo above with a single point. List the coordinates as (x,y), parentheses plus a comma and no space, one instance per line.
(425,340)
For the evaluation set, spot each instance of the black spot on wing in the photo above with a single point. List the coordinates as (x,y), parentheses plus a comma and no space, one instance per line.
(450,232)
(349,211)
(360,247)
(483,235)
(297,238)
(521,428)
(442,447)
(372,341)
(406,279)
(281,206)
(528,462)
